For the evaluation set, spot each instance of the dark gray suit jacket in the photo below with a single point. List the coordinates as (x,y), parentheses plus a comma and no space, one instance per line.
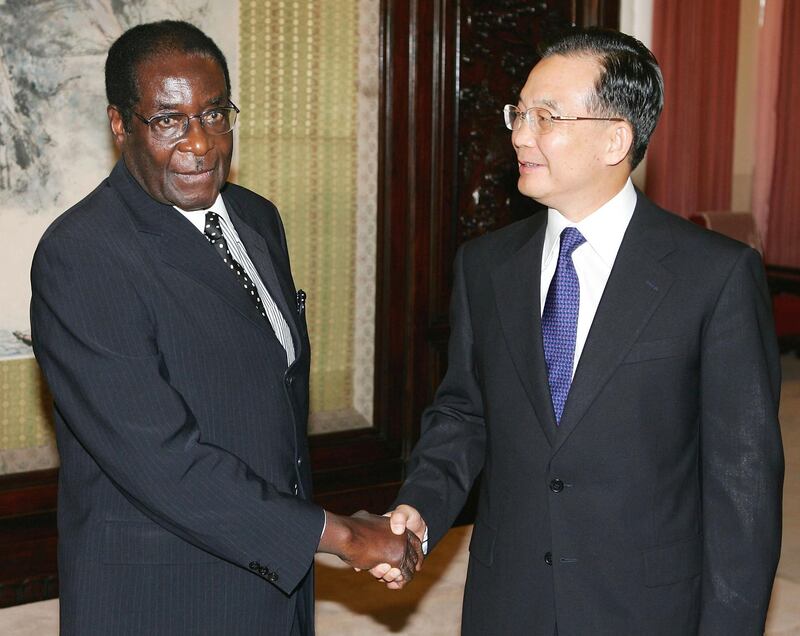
(184,484)
(655,508)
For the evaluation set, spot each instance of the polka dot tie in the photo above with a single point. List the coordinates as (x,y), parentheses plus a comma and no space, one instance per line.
(560,321)
(213,232)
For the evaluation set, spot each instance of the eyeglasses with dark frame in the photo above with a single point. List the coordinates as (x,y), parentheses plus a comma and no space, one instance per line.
(541,120)
(167,126)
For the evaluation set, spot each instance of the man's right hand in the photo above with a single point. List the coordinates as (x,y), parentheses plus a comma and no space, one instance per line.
(402,519)
(364,541)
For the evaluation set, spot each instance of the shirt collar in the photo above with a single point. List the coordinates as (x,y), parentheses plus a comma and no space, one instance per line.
(603,229)
(198,217)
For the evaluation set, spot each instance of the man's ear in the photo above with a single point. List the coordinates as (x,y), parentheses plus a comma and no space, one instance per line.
(117,126)
(620,140)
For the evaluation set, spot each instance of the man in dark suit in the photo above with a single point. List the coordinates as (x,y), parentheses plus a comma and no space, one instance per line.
(168,327)
(613,372)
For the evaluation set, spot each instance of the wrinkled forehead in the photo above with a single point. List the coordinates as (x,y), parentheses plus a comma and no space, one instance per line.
(173,79)
(561,82)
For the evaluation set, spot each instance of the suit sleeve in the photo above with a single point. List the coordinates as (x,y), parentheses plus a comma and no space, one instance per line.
(96,342)
(742,456)
(450,453)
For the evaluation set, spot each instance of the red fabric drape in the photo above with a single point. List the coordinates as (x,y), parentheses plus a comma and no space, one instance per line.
(690,161)
(783,225)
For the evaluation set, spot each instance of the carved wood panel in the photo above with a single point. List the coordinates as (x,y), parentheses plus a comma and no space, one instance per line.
(498,49)
(494,43)
(498,45)
(495,46)
(448,170)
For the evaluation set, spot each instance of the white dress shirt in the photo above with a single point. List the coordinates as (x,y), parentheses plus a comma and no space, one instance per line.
(593,260)
(276,319)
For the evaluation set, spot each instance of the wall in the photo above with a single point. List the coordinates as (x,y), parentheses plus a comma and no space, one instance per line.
(744,125)
(54,140)
(55,148)
(636,19)
(307,70)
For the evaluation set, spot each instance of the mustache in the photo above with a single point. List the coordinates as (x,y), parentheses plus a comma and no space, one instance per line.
(198,166)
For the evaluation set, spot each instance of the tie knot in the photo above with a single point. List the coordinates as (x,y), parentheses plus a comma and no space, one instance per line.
(571,238)
(213,230)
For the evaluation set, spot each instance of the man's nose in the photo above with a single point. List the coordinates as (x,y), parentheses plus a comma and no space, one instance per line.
(522,135)
(197,140)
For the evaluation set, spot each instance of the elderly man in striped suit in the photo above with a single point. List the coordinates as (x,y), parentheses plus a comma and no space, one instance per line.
(169,329)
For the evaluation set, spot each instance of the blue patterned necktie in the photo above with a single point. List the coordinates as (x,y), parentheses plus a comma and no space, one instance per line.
(560,321)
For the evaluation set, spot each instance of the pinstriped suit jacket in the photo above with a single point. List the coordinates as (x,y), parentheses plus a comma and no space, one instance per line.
(184,485)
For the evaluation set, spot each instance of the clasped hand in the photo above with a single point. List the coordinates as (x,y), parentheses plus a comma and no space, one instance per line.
(403,519)
(367,542)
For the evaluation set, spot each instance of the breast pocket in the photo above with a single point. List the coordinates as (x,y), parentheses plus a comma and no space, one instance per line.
(658,350)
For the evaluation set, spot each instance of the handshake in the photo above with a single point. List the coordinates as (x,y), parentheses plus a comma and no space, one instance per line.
(390,547)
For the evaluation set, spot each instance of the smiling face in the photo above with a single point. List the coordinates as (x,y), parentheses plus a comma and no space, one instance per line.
(187,172)
(578,165)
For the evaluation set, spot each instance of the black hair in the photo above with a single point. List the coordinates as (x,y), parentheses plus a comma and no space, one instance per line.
(630,84)
(144,42)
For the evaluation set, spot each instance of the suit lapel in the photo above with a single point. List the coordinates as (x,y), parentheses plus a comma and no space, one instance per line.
(265,257)
(516,286)
(636,286)
(178,243)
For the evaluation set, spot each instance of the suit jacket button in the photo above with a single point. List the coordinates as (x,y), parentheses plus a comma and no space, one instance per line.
(289,380)
(272,576)
(556,485)
(295,488)
(254,565)
(548,558)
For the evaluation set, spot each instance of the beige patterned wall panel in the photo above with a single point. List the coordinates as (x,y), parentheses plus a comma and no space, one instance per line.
(367,100)
(309,93)
(27,441)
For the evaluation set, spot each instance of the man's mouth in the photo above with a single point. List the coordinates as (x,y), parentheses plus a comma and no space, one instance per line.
(194,173)
(196,177)
(529,167)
